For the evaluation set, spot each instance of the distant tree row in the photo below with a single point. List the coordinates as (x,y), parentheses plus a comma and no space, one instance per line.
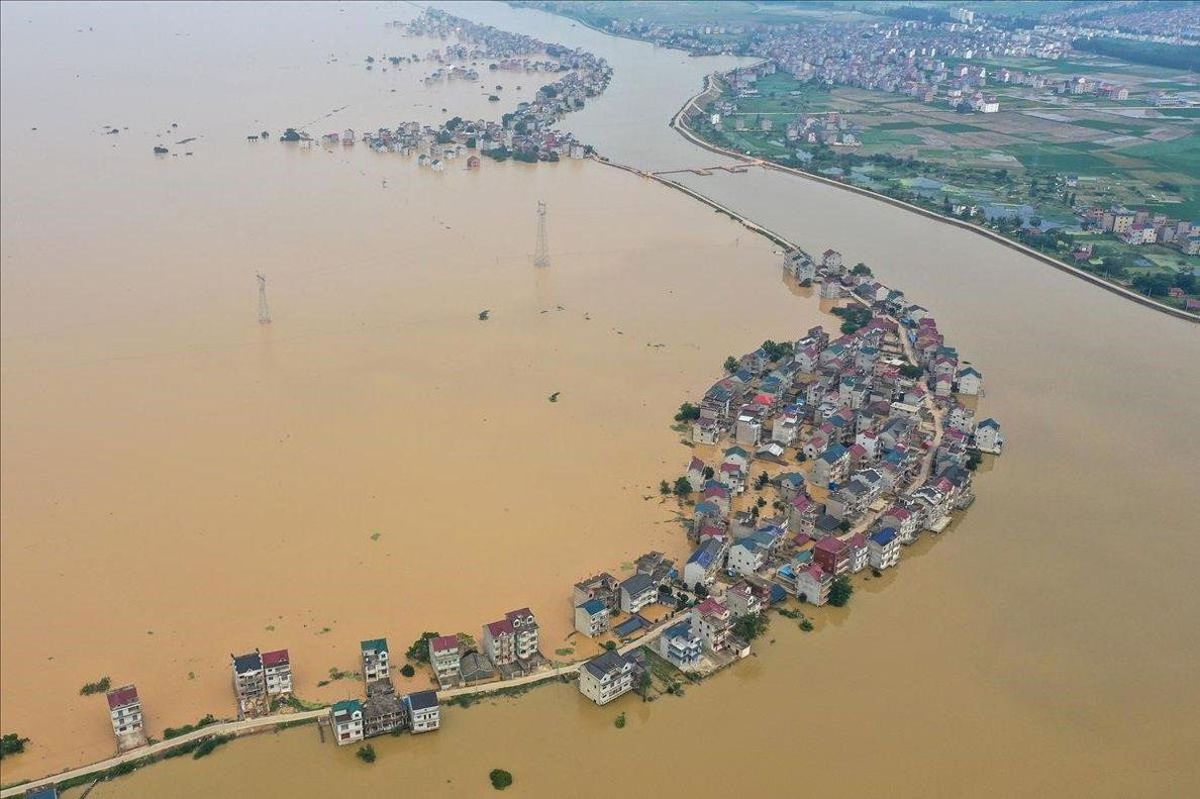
(1173,56)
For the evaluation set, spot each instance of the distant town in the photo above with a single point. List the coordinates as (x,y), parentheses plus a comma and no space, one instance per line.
(1049,127)
(526,133)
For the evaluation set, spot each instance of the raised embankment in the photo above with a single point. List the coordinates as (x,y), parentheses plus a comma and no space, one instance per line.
(679,124)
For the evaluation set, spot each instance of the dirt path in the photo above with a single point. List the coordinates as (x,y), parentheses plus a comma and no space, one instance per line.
(251,725)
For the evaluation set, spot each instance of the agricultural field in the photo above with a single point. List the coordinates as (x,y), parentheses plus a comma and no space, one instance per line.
(1034,162)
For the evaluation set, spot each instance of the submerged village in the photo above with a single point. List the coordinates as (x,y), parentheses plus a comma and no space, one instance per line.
(526,133)
(814,460)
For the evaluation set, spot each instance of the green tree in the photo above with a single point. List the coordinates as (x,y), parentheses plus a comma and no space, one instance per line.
(407,670)
(840,591)
(664,488)
(861,269)
(644,681)
(731,364)
(98,687)
(910,371)
(761,482)
(750,627)
(419,651)
(500,778)
(708,472)
(687,412)
(683,487)
(12,744)
(366,753)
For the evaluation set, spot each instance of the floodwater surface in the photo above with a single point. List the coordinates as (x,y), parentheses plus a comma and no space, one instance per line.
(178,479)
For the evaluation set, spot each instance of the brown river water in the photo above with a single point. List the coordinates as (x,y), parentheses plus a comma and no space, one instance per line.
(180,482)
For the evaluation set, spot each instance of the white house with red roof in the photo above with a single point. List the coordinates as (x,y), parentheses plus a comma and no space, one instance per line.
(813,584)
(125,712)
(903,521)
(445,659)
(712,621)
(513,638)
(277,666)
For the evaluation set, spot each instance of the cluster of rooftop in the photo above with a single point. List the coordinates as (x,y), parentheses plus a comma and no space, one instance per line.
(383,711)
(526,133)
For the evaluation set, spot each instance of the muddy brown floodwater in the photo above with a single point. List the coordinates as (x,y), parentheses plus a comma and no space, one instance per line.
(177,479)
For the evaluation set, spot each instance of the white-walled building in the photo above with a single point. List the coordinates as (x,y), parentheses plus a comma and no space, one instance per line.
(347,720)
(125,712)
(375,659)
(606,677)
(424,712)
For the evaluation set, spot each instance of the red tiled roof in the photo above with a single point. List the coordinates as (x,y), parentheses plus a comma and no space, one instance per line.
(444,642)
(498,628)
(710,606)
(121,697)
(277,658)
(832,545)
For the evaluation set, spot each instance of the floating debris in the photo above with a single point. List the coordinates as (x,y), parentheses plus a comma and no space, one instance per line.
(484,315)
(554,396)
(160,150)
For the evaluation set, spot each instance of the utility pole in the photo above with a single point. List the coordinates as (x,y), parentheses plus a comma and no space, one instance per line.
(541,255)
(264,312)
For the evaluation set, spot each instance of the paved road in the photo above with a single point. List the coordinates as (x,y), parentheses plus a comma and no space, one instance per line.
(249,725)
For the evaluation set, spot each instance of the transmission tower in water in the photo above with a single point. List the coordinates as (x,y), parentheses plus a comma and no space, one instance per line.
(541,255)
(264,312)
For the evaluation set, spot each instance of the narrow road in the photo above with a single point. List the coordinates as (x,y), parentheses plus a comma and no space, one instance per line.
(249,725)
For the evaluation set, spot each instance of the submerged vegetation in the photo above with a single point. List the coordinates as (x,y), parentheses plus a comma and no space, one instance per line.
(175,732)
(98,687)
(12,744)
(500,778)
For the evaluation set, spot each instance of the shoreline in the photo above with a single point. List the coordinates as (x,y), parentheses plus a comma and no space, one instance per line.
(679,126)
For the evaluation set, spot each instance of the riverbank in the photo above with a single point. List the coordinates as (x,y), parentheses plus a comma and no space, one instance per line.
(679,124)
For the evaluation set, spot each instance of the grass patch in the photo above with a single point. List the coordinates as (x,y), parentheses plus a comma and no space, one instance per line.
(958,127)
(175,732)
(1059,159)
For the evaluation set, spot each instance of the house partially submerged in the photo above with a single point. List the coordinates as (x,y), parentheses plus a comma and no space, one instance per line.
(125,712)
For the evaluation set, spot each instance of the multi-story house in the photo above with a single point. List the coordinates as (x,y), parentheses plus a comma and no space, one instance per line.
(424,713)
(603,587)
(592,618)
(277,668)
(250,685)
(903,521)
(704,562)
(831,466)
(637,592)
(375,659)
(813,584)
(445,659)
(988,437)
(859,552)
(346,717)
(125,712)
(712,621)
(884,549)
(604,678)
(680,646)
(511,639)
(833,555)
(743,600)
(746,557)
